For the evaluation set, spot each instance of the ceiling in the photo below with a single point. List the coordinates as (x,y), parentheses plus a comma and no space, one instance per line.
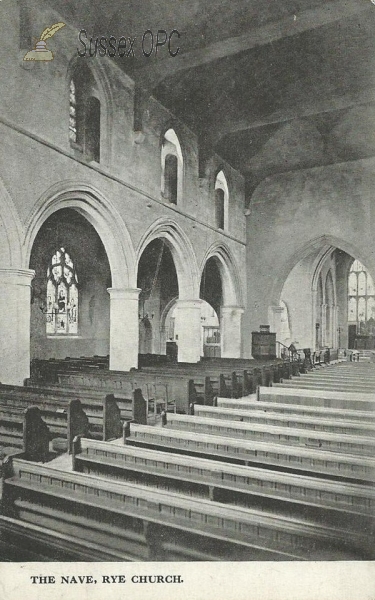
(271,85)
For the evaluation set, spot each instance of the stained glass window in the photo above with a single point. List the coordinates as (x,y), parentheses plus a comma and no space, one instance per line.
(72,112)
(62,295)
(361,298)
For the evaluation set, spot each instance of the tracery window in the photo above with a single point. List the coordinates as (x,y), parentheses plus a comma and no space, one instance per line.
(361,299)
(62,295)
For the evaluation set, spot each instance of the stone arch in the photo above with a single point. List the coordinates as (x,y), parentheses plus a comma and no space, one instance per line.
(321,246)
(182,252)
(102,215)
(10,231)
(231,282)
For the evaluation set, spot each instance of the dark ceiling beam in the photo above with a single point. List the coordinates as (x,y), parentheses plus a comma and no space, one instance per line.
(333,104)
(329,12)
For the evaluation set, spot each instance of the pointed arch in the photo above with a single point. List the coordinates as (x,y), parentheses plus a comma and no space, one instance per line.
(320,248)
(102,215)
(182,252)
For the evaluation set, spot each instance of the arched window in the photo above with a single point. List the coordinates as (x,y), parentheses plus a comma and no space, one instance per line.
(219,208)
(361,299)
(62,295)
(92,129)
(221,201)
(171,167)
(72,112)
(170,178)
(84,114)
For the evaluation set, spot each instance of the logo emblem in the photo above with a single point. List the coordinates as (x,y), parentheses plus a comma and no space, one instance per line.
(40,51)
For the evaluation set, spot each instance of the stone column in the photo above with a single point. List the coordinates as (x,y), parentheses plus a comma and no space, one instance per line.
(188,330)
(231,331)
(124,329)
(15,287)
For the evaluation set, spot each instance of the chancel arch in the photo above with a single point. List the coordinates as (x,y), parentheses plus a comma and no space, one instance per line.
(320,293)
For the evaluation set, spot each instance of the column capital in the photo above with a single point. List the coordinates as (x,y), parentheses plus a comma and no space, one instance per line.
(17,276)
(124,293)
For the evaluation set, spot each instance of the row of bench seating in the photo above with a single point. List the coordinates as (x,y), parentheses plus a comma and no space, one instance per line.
(66,416)
(153,524)
(170,494)
(333,503)
(179,385)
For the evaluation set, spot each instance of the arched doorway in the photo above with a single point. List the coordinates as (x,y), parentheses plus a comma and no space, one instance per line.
(70,305)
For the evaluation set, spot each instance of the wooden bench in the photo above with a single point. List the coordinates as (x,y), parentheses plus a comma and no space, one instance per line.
(103,418)
(353,444)
(319,398)
(24,542)
(174,379)
(290,458)
(322,422)
(295,410)
(25,430)
(321,386)
(142,521)
(92,399)
(345,504)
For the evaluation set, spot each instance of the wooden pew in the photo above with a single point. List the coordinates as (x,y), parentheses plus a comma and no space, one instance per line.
(155,525)
(104,416)
(316,423)
(321,386)
(26,542)
(174,378)
(322,398)
(295,410)
(25,430)
(92,399)
(339,504)
(354,444)
(291,458)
